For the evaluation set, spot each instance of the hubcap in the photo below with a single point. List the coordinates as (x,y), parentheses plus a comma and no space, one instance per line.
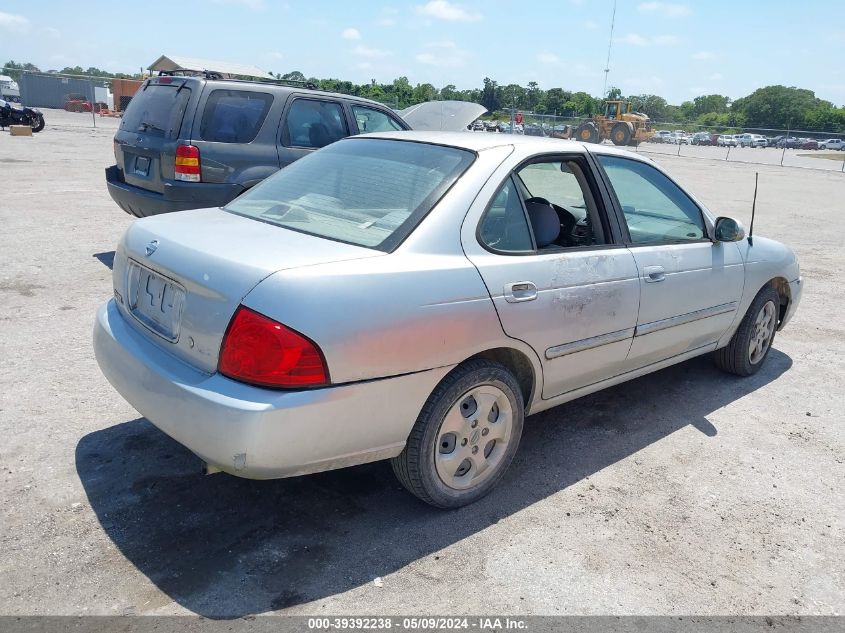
(473,437)
(761,333)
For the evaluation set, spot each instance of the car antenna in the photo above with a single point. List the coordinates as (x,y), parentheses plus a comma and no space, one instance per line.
(753,207)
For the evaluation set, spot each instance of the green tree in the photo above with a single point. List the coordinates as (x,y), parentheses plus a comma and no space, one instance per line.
(651,105)
(776,107)
(13,69)
(489,99)
(710,103)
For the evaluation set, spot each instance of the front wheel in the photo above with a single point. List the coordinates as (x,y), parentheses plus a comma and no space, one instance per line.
(465,436)
(751,342)
(587,133)
(37,122)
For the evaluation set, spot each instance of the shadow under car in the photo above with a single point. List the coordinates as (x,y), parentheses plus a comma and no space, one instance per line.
(225,547)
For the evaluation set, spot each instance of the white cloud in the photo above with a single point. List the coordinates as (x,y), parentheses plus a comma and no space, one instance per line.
(665,40)
(249,4)
(668,9)
(364,66)
(386,22)
(716,77)
(548,58)
(12,22)
(52,31)
(443,10)
(635,39)
(275,55)
(443,54)
(590,25)
(351,34)
(371,53)
(703,55)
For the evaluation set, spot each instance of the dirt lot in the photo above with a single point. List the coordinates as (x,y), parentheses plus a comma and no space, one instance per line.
(688,491)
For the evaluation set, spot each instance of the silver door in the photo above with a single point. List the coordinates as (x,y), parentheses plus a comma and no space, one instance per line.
(690,286)
(575,306)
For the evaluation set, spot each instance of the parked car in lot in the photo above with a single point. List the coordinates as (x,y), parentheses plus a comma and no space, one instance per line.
(809,143)
(701,138)
(728,140)
(751,140)
(413,296)
(832,143)
(790,142)
(533,129)
(191,142)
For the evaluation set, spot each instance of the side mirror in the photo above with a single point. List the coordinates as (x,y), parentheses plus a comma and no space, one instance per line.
(729,230)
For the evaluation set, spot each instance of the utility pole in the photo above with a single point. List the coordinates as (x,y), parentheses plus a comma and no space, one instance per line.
(609,47)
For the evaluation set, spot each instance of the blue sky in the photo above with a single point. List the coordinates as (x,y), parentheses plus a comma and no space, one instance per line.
(675,49)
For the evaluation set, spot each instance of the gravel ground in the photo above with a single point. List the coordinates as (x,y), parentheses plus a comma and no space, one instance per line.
(687,491)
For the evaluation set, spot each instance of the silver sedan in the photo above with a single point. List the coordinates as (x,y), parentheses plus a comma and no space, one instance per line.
(413,296)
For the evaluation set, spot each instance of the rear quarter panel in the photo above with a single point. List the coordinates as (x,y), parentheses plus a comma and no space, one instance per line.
(392,315)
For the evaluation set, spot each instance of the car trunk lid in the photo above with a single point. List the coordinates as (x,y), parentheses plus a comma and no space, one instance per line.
(180,277)
(145,144)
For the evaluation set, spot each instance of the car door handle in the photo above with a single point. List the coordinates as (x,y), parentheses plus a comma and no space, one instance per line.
(654,273)
(519,291)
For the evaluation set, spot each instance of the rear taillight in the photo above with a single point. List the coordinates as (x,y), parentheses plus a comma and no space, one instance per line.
(260,351)
(188,163)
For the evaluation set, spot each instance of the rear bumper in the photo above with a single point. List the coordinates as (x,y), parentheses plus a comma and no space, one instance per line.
(177,196)
(259,433)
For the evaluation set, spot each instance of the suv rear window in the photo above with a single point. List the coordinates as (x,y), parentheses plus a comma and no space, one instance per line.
(234,116)
(367,192)
(157,110)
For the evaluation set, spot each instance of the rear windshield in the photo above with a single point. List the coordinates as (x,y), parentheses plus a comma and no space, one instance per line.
(234,116)
(367,192)
(157,110)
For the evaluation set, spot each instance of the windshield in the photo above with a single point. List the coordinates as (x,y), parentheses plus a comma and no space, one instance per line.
(157,110)
(367,192)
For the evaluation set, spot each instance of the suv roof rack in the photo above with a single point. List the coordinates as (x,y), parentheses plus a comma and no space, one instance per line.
(213,74)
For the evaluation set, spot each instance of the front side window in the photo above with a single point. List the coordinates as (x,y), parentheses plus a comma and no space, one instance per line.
(312,123)
(367,192)
(234,116)
(370,120)
(655,208)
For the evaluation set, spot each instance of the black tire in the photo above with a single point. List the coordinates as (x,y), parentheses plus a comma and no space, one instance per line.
(620,134)
(415,467)
(734,358)
(587,133)
(38,123)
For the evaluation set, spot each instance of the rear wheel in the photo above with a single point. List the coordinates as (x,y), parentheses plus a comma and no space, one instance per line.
(751,342)
(620,134)
(587,133)
(465,436)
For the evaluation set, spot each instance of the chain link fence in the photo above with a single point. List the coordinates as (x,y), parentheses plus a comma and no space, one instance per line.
(808,149)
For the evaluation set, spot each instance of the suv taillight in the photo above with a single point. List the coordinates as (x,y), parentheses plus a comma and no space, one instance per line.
(188,163)
(260,351)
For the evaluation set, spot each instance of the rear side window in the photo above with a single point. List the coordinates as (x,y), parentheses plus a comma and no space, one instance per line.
(368,192)
(370,120)
(312,123)
(157,110)
(234,116)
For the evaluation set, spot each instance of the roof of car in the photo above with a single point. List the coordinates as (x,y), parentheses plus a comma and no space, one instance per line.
(477,142)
